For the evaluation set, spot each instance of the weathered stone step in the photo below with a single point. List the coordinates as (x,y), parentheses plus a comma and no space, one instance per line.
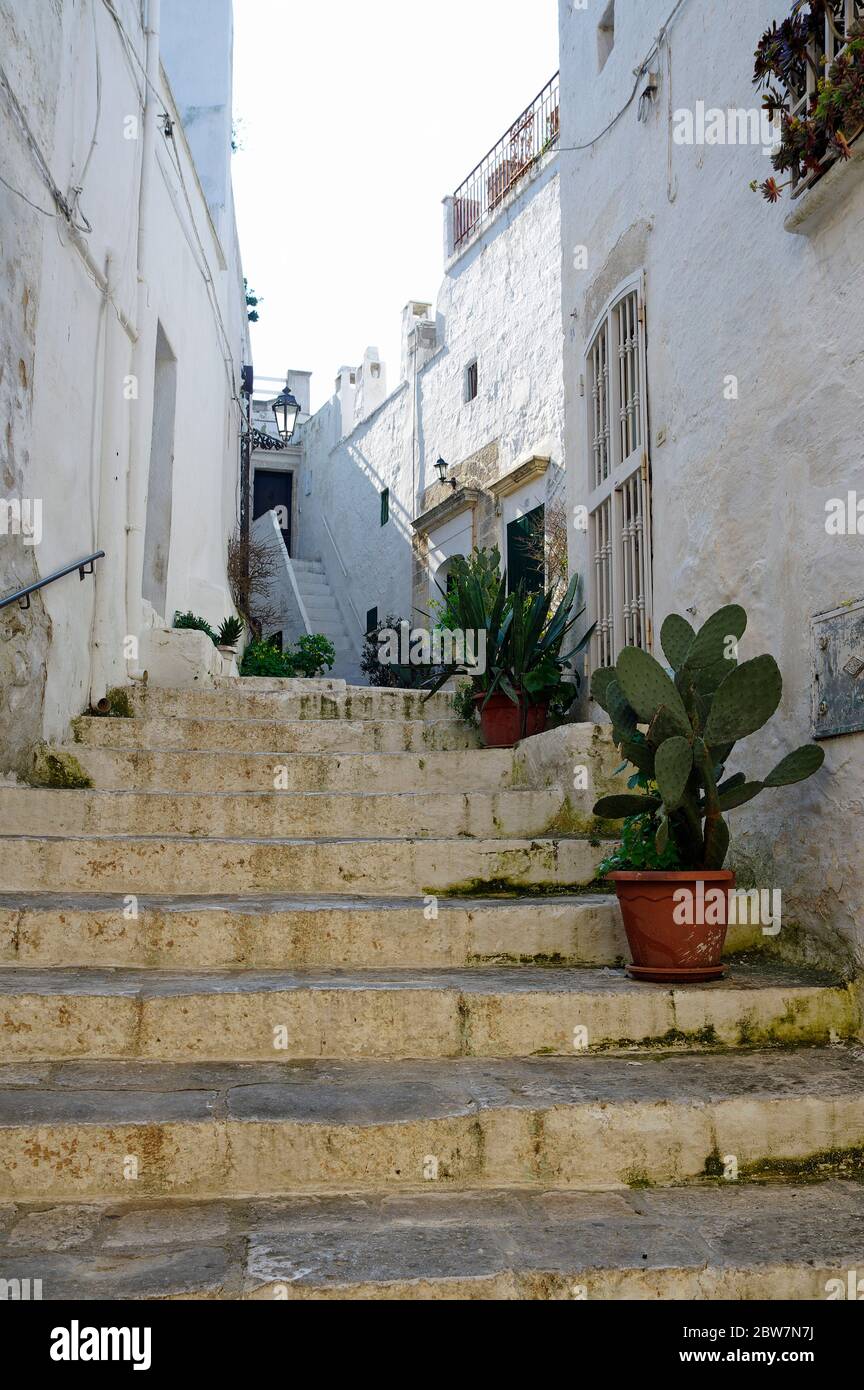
(76,1131)
(282,814)
(248,1016)
(262,696)
(246,699)
(192,864)
(44,929)
(732,1242)
(277,735)
(319,603)
(471,769)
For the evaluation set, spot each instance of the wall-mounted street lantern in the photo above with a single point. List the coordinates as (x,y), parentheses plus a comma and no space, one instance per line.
(442,466)
(286,409)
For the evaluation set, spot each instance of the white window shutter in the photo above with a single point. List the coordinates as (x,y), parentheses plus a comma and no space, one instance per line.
(619,476)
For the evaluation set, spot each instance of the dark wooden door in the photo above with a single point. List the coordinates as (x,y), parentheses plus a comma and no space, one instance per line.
(272,493)
(524,551)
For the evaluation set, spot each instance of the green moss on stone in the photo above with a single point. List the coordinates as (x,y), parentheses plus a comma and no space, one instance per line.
(815,1167)
(119,703)
(506,888)
(637,1178)
(54,768)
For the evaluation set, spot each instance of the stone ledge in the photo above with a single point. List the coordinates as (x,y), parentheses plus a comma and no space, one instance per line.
(517,477)
(464,499)
(813,209)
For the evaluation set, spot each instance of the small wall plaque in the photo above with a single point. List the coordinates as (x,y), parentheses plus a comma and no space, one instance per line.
(838,671)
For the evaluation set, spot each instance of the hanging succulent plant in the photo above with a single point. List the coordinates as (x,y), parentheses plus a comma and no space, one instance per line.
(812,138)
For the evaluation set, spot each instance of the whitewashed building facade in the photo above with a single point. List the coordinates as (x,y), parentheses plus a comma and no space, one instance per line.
(714,397)
(480,386)
(124,330)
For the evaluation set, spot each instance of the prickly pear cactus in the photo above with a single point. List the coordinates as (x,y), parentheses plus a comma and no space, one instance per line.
(691,721)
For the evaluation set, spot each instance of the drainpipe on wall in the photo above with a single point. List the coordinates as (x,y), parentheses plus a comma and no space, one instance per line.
(143,367)
(107,664)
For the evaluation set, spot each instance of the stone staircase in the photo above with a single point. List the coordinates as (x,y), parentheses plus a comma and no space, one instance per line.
(325,617)
(311,997)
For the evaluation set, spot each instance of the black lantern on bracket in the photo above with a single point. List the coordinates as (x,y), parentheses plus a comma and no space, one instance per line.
(442,465)
(286,409)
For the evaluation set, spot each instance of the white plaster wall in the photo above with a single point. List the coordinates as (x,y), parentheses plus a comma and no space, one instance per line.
(500,302)
(347,477)
(207,431)
(27,46)
(74,370)
(739,487)
(73,374)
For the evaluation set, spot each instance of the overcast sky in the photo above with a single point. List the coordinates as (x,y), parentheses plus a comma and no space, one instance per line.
(355,120)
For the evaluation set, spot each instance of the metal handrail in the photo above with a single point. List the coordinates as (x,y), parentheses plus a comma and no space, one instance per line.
(84,567)
(529,137)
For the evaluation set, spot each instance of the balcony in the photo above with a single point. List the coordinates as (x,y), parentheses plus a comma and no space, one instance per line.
(530,137)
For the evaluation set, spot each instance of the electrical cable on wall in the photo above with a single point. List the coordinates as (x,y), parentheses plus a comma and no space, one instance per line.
(640,73)
(130,49)
(78,190)
(39,159)
(46,212)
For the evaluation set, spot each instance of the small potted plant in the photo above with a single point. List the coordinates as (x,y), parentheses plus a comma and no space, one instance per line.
(675,834)
(230,632)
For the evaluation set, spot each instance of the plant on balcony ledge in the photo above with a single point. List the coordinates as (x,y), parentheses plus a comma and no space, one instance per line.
(821,112)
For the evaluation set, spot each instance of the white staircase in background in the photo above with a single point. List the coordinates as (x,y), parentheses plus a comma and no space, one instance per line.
(324,617)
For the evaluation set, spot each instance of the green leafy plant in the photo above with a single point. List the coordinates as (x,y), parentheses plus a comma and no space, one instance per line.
(310,655)
(252,302)
(638,848)
(230,632)
(834,116)
(694,718)
(484,566)
(263,658)
(191,621)
(313,654)
(463,702)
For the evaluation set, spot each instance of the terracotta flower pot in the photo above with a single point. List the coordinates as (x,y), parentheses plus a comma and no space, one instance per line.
(675,939)
(501,720)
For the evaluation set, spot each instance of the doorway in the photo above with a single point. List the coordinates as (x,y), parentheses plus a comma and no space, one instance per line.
(525,559)
(273,492)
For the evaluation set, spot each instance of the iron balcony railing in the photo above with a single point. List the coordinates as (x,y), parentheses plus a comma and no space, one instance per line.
(527,140)
(84,567)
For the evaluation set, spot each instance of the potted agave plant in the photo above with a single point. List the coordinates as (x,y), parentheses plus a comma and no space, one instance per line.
(679,732)
(525,661)
(230,632)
